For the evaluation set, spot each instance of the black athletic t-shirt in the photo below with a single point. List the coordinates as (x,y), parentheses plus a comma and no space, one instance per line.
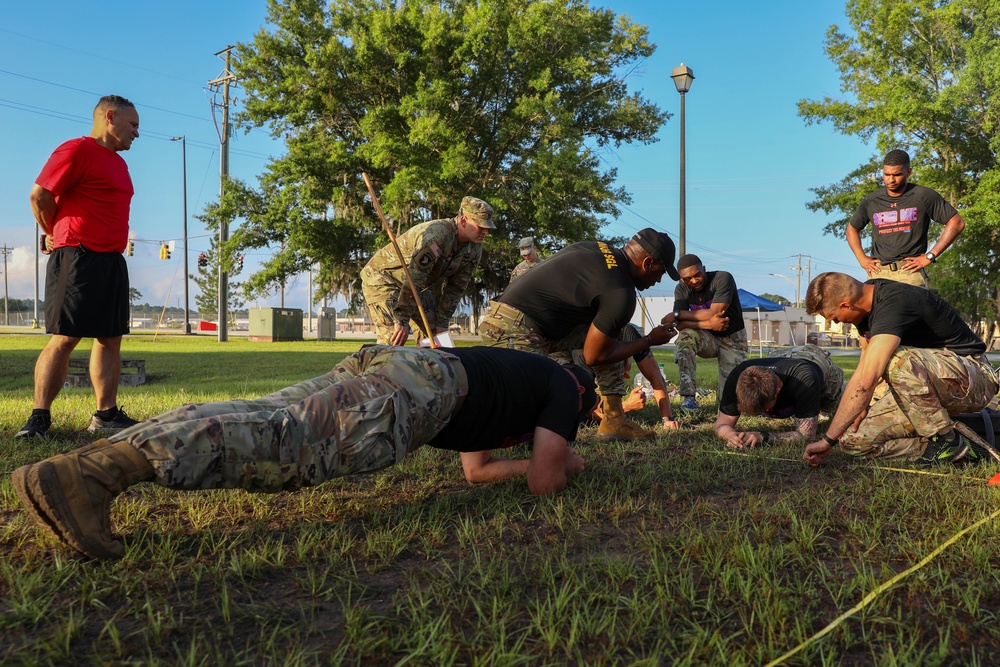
(583,283)
(919,317)
(801,388)
(900,224)
(510,393)
(720,287)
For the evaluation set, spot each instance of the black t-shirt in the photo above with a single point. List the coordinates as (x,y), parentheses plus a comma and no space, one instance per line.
(920,318)
(801,388)
(720,287)
(583,283)
(900,224)
(630,334)
(510,393)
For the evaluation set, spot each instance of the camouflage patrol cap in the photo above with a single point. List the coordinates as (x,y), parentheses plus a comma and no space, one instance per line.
(526,245)
(478,211)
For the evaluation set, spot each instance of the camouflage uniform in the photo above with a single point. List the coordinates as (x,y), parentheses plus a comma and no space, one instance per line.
(914,400)
(505,326)
(833,375)
(367,413)
(730,350)
(440,265)
(522,268)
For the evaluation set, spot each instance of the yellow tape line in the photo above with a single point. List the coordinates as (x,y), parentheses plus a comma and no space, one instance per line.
(871,596)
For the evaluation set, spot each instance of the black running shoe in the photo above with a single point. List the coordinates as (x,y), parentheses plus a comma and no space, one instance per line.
(119,422)
(941,451)
(37,426)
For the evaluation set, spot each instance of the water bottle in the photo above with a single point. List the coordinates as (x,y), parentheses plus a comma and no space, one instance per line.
(647,388)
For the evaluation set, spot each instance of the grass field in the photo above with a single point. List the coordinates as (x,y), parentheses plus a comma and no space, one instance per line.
(671,552)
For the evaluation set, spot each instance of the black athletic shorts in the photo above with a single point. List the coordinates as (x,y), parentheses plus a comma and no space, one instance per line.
(86,293)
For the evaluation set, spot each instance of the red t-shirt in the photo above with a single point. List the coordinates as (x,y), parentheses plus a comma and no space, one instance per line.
(93,191)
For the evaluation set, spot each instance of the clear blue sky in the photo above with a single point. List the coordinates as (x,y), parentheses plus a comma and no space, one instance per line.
(750,159)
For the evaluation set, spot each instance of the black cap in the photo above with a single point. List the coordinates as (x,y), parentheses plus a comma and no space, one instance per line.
(660,247)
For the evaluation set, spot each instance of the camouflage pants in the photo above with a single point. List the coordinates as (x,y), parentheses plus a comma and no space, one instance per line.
(833,375)
(506,326)
(367,413)
(729,350)
(381,301)
(915,399)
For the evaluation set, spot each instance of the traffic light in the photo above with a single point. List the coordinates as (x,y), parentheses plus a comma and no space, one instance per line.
(239,264)
(130,249)
(164,251)
(202,261)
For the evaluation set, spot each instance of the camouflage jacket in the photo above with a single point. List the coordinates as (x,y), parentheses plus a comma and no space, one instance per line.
(436,260)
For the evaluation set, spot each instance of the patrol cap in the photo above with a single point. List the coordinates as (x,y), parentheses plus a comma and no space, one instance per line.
(526,245)
(478,211)
(660,247)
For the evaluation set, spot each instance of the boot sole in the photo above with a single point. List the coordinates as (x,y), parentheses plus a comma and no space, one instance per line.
(23,489)
(40,489)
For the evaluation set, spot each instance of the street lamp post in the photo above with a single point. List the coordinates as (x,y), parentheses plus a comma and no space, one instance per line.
(187,311)
(682,76)
(792,281)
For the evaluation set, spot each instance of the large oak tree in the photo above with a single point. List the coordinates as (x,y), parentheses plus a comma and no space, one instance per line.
(512,101)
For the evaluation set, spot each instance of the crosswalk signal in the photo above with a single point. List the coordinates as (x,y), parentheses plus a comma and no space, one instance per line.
(202,261)
(164,251)
(130,249)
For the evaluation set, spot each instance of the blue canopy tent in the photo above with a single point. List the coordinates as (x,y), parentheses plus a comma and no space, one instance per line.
(750,301)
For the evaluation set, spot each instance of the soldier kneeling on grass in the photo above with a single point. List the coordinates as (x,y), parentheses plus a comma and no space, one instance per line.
(922,366)
(368,413)
(795,382)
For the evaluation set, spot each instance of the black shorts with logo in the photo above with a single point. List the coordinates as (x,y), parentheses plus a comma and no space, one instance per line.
(86,293)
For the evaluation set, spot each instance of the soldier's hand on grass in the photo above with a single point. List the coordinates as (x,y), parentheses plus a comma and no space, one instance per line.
(816,452)
(736,440)
(574,462)
(669,424)
(400,335)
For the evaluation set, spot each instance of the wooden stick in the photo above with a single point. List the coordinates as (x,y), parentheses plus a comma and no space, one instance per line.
(402,262)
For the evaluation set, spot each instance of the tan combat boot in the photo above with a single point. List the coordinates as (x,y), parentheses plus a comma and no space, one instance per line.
(614,426)
(70,494)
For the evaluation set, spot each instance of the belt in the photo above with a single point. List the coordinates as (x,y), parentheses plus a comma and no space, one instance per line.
(892,266)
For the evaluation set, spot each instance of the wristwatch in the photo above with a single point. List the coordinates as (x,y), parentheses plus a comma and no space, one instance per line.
(677,317)
(931,256)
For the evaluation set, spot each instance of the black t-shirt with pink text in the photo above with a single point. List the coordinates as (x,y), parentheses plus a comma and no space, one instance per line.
(900,224)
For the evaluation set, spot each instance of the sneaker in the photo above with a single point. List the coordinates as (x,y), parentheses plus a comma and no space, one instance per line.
(37,426)
(689,406)
(941,451)
(119,422)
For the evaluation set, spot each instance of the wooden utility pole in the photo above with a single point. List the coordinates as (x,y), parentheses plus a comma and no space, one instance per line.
(223,81)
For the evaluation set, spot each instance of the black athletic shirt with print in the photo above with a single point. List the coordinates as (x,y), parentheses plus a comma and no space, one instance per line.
(920,318)
(900,224)
(584,283)
(801,388)
(510,393)
(720,287)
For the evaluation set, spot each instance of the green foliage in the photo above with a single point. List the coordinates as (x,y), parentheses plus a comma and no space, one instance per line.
(508,100)
(777,298)
(924,75)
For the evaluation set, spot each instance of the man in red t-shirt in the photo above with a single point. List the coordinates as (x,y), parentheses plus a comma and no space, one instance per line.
(81,203)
